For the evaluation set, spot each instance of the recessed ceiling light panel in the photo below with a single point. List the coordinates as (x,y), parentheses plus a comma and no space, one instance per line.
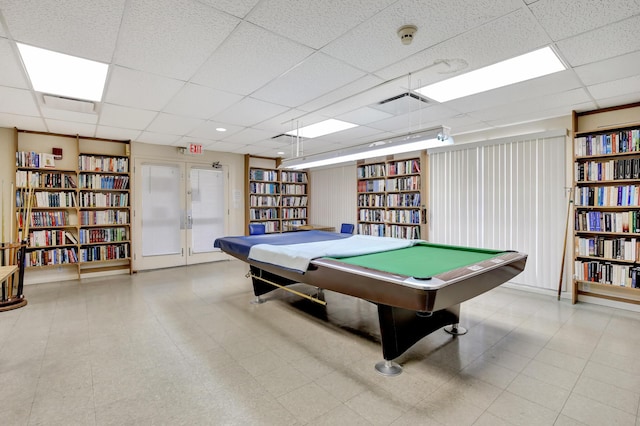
(65,75)
(322,128)
(515,70)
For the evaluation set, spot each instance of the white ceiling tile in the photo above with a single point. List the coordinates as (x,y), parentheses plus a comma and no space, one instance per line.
(364,115)
(289,120)
(566,18)
(75,27)
(11,71)
(64,115)
(17,101)
(361,92)
(124,117)
(248,112)
(603,43)
(186,140)
(173,124)
(375,43)
(249,59)
(317,75)
(317,147)
(207,130)
(238,8)
(548,85)
(71,128)
(624,86)
(532,106)
(611,69)
(314,23)
(354,136)
(249,136)
(137,89)
(226,147)
(2,32)
(108,132)
(157,138)
(170,37)
(616,100)
(199,101)
(476,48)
(22,122)
(543,114)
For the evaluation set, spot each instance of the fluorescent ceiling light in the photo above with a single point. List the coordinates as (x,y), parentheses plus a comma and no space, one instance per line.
(521,68)
(417,141)
(64,75)
(322,128)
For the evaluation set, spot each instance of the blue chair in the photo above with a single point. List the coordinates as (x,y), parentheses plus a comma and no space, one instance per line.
(346,228)
(256,229)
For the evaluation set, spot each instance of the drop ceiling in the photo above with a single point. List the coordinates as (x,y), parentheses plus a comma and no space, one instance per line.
(180,69)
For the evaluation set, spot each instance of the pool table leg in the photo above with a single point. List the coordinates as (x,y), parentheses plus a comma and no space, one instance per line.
(402,328)
(261,287)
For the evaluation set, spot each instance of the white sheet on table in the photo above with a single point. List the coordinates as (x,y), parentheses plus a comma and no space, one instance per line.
(298,256)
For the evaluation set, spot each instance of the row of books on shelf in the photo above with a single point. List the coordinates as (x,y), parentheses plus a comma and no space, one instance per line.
(263,214)
(107,252)
(263,201)
(44,218)
(609,143)
(607,273)
(104,217)
(371,200)
(95,163)
(403,167)
(271,226)
(371,171)
(294,201)
(103,235)
(264,188)
(52,237)
(295,189)
(627,249)
(54,256)
(598,221)
(595,171)
(33,179)
(101,199)
(294,213)
(264,175)
(390,216)
(607,196)
(375,185)
(54,199)
(97,181)
(393,231)
(403,200)
(35,159)
(408,183)
(298,177)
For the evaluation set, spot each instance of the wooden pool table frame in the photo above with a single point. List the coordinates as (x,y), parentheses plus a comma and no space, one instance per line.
(408,309)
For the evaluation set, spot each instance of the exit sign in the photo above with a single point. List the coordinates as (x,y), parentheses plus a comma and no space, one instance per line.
(195,148)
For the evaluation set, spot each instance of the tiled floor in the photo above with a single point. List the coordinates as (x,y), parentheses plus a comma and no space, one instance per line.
(184,347)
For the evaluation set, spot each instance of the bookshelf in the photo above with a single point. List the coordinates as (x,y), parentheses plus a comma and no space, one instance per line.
(391,198)
(79,202)
(276,198)
(606,198)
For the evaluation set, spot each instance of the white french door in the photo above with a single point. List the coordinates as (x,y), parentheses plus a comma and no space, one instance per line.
(180,210)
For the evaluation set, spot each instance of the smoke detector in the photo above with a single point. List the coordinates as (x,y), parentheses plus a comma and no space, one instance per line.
(406,33)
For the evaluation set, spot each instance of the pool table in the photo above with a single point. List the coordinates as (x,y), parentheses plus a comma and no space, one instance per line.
(417,289)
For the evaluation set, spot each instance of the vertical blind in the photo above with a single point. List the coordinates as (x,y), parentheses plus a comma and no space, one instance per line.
(503,194)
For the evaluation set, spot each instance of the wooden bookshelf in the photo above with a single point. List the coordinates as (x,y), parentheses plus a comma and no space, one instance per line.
(80,214)
(606,198)
(392,197)
(279,199)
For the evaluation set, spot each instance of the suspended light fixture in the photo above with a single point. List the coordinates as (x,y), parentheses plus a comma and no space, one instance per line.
(416,141)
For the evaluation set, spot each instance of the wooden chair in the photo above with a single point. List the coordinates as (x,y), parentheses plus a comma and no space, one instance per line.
(12,262)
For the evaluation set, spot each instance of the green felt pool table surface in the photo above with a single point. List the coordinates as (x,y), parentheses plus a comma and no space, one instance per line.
(422,260)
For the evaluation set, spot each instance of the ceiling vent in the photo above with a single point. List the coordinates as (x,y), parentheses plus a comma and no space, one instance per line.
(401,104)
(69,104)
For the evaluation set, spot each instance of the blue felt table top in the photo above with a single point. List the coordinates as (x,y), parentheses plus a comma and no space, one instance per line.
(242,244)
